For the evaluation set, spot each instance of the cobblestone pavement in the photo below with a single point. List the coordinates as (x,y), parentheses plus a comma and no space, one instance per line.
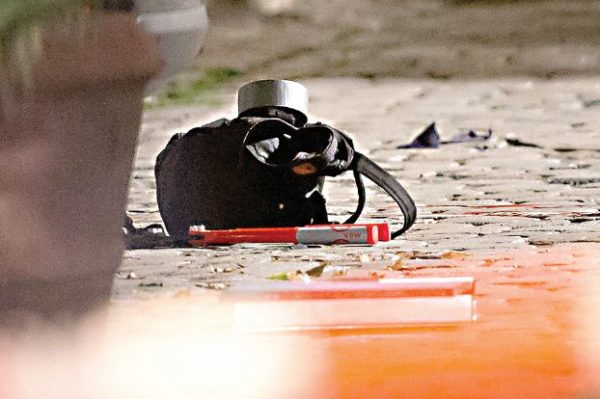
(473,197)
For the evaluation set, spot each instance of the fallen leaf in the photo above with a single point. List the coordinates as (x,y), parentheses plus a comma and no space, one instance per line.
(454,255)
(284,276)
(316,271)
(397,266)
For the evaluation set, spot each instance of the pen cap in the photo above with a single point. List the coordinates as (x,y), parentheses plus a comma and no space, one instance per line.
(384,232)
(274,93)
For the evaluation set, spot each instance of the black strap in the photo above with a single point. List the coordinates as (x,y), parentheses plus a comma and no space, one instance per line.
(364,166)
(362,198)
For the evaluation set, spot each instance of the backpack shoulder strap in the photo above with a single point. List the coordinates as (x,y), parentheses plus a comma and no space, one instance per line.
(362,165)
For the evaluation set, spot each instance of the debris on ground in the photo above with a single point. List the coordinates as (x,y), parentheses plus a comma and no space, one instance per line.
(518,143)
(430,138)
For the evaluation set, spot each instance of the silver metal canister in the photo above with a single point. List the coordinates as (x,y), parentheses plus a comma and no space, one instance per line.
(268,93)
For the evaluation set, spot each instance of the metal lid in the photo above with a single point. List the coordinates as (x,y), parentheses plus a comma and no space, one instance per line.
(269,93)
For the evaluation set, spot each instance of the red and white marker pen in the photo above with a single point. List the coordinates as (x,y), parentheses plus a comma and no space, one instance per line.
(322,234)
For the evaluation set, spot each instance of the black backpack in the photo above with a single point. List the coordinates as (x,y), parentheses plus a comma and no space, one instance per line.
(261,172)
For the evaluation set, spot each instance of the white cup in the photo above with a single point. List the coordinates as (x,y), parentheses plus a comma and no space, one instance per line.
(180,26)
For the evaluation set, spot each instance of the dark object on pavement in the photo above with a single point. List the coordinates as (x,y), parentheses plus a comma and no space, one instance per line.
(519,143)
(430,138)
(574,181)
(149,237)
(469,137)
(262,169)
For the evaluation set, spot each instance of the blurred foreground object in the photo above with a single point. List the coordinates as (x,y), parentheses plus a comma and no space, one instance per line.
(536,337)
(151,351)
(354,304)
(180,27)
(68,130)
